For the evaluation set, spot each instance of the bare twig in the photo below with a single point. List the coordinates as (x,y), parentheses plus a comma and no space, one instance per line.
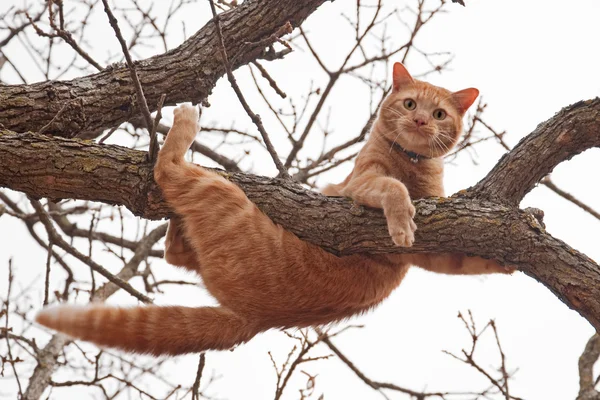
(468,357)
(62,33)
(568,196)
(141,99)
(196,386)
(56,117)
(11,360)
(60,242)
(254,117)
(383,385)
(269,79)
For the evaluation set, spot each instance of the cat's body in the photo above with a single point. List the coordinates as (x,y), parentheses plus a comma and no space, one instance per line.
(262,275)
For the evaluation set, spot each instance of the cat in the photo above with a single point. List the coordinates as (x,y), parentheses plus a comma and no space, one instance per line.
(264,276)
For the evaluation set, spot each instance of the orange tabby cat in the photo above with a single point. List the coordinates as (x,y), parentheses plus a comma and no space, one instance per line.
(264,276)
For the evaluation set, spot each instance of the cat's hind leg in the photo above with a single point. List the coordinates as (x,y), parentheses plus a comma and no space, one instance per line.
(210,207)
(178,251)
(188,188)
(179,139)
(173,175)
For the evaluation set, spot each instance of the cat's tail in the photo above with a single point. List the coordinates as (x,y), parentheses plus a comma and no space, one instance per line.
(151,329)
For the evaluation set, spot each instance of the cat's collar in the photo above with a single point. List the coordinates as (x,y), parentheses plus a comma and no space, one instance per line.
(412,156)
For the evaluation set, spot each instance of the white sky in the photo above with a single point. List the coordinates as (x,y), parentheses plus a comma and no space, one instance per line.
(529,59)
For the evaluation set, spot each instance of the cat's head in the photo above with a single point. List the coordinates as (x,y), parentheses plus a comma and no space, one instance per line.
(421,117)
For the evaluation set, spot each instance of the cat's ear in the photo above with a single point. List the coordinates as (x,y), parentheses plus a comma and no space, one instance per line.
(465,98)
(401,76)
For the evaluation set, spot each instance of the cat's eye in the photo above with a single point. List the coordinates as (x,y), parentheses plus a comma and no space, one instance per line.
(410,104)
(439,114)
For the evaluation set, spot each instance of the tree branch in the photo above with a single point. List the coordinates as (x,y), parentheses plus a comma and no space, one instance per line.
(47,364)
(187,73)
(571,131)
(588,358)
(43,166)
(287,28)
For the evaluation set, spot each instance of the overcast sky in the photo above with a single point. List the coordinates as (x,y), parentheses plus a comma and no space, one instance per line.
(529,59)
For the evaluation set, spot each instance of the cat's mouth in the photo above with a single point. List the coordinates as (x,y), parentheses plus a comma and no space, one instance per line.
(423,140)
(424,131)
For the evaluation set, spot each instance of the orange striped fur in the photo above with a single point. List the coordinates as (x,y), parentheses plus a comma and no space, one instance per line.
(262,275)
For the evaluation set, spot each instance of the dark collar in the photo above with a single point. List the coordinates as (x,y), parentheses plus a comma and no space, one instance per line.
(412,156)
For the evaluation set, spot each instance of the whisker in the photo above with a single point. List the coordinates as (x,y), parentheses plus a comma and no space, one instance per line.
(382,137)
(443,147)
(433,141)
(396,119)
(393,110)
(442,134)
(451,144)
(392,145)
(450,138)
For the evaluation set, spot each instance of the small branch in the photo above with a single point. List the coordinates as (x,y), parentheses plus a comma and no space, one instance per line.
(141,99)
(196,386)
(56,117)
(16,31)
(63,34)
(269,79)
(571,131)
(468,356)
(69,228)
(154,148)
(294,359)
(380,385)
(254,117)
(568,196)
(588,358)
(47,364)
(60,242)
(29,223)
(130,269)
(11,360)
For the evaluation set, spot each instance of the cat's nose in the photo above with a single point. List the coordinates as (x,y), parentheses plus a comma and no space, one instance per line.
(420,121)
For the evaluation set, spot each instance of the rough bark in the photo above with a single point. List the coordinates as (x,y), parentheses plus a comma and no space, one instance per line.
(64,168)
(87,105)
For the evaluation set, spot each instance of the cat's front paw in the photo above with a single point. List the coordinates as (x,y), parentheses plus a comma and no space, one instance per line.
(401,225)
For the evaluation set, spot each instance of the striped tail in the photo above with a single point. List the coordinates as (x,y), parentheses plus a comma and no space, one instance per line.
(152,329)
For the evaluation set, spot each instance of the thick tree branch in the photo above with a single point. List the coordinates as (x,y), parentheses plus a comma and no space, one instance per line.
(187,73)
(571,131)
(43,166)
